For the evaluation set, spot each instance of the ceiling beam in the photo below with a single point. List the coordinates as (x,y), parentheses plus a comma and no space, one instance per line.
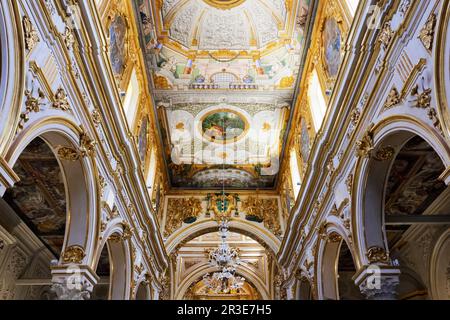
(417,219)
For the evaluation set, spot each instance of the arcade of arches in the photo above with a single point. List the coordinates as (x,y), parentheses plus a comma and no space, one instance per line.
(319,129)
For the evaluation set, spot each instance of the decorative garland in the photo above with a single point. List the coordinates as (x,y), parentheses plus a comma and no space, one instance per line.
(224,60)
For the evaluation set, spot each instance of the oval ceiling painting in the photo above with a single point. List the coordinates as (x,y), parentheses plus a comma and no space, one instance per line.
(223,126)
(332,46)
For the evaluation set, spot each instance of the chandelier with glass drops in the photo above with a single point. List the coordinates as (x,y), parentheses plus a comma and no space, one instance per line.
(224,257)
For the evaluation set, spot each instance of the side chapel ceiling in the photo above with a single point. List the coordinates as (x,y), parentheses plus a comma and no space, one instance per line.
(223,76)
(39,197)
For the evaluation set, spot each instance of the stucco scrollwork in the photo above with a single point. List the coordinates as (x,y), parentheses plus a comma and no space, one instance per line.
(73,254)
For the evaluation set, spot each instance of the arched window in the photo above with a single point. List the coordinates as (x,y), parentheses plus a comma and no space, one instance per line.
(317,102)
(295,172)
(131,99)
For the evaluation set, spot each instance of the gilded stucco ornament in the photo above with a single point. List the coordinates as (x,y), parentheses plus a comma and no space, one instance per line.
(392,100)
(334,237)
(364,147)
(96,117)
(384,153)
(32,103)
(422,99)
(31,35)
(127,233)
(181,210)
(87,145)
(263,210)
(61,100)
(68,154)
(69,38)
(102,185)
(355,116)
(377,255)
(73,254)
(386,35)
(349,183)
(224,4)
(427,33)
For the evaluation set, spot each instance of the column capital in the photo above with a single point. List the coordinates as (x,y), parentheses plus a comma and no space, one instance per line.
(378,282)
(73,282)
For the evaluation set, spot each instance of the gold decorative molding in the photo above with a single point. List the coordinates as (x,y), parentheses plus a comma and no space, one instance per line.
(96,117)
(31,35)
(68,154)
(384,153)
(364,147)
(392,100)
(61,100)
(102,185)
(355,116)
(265,210)
(87,145)
(69,38)
(386,35)
(334,237)
(73,254)
(33,104)
(426,35)
(377,255)
(423,99)
(349,183)
(224,4)
(179,210)
(127,233)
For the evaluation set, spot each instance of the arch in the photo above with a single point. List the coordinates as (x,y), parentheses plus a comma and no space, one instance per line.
(12,71)
(79,177)
(143,291)
(440,268)
(370,178)
(264,237)
(328,252)
(206,268)
(120,260)
(442,66)
(303,289)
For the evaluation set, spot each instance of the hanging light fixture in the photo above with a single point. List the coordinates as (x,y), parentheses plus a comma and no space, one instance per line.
(224,257)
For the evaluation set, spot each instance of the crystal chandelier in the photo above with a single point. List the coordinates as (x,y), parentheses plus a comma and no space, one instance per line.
(225,258)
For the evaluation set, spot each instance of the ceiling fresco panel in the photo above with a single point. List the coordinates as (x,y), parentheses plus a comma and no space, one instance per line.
(224,76)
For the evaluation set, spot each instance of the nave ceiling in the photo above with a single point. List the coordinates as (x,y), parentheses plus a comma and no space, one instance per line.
(224,76)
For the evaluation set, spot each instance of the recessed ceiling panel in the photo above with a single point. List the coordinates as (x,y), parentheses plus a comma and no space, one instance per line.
(223,79)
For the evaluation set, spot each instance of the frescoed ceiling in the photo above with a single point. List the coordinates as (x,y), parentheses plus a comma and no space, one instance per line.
(223,76)
(39,197)
(413,182)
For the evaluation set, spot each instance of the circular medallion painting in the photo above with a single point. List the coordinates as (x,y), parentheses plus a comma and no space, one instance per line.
(223,126)
(332,46)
